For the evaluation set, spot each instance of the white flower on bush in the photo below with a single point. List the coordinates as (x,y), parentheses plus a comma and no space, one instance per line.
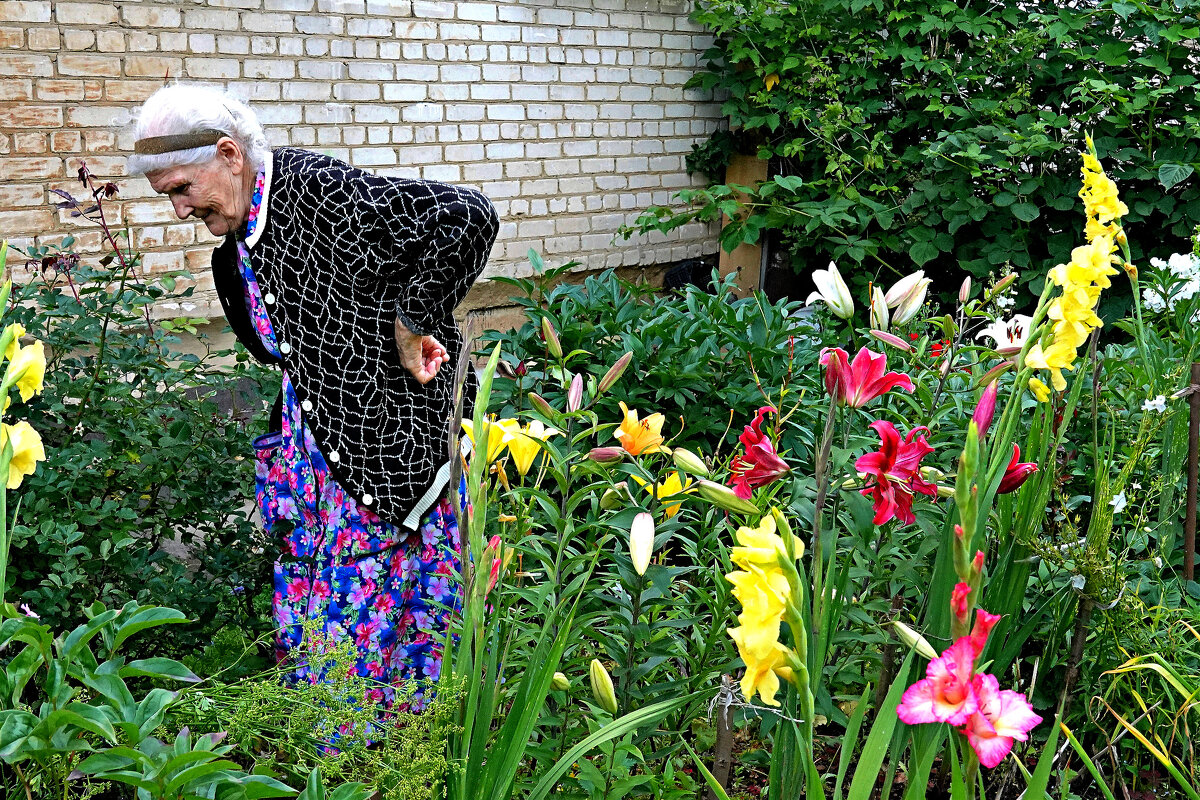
(1158,404)
(1184,267)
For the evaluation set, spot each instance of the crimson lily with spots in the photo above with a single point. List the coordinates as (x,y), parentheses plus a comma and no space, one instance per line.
(896,471)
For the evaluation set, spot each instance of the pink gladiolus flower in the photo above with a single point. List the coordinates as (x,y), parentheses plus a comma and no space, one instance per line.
(856,383)
(945,693)
(986,410)
(958,601)
(1002,718)
(494,546)
(984,622)
(760,464)
(896,467)
(1015,473)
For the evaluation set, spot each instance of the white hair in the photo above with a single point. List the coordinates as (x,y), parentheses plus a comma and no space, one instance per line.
(188,108)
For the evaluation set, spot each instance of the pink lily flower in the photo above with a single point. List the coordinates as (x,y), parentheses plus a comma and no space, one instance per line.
(896,469)
(946,693)
(760,464)
(1016,472)
(1002,718)
(856,383)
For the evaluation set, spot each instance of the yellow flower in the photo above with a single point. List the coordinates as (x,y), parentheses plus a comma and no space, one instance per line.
(763,596)
(524,444)
(762,672)
(1100,199)
(29,365)
(771,81)
(18,330)
(669,487)
(1089,264)
(27,450)
(1040,390)
(1056,358)
(497,434)
(644,436)
(762,546)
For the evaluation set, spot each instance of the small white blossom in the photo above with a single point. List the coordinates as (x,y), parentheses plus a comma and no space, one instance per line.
(1118,503)
(27,611)
(1158,404)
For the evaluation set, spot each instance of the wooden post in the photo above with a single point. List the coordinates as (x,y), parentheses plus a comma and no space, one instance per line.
(746,259)
(723,749)
(1189,527)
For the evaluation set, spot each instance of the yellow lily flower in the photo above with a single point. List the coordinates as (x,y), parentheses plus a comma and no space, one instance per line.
(669,487)
(640,436)
(524,444)
(27,451)
(497,434)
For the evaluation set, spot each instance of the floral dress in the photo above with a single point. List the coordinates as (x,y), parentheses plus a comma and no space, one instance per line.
(342,567)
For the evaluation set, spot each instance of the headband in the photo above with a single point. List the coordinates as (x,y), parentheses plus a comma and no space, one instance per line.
(157,145)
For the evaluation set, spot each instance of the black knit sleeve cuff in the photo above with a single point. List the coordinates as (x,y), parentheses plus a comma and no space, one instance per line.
(413,327)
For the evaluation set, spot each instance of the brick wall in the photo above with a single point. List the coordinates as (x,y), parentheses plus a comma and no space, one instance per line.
(570,114)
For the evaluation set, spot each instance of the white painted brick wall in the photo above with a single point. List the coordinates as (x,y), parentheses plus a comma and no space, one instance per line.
(570,114)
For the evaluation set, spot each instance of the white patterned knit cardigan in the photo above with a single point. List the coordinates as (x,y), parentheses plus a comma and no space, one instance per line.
(338,252)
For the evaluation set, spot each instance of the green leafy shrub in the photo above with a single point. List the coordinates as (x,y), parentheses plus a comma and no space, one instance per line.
(946,135)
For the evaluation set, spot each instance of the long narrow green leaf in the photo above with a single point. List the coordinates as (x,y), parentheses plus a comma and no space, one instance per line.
(880,737)
(1087,762)
(709,778)
(1041,773)
(850,742)
(618,727)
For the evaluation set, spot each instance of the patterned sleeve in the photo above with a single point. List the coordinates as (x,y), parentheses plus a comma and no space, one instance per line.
(433,238)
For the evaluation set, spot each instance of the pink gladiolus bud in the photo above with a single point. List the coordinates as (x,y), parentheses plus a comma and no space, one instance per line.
(959,601)
(606,455)
(493,552)
(858,382)
(575,393)
(977,564)
(1016,473)
(892,339)
(986,410)
(984,622)
(958,532)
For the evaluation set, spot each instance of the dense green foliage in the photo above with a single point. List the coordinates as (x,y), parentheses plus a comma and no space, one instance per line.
(946,135)
(144,492)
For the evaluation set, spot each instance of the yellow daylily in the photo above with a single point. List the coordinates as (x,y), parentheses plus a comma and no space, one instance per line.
(29,365)
(669,487)
(762,672)
(27,451)
(762,547)
(498,435)
(524,444)
(640,436)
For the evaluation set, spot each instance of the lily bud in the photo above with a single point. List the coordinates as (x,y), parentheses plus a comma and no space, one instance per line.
(986,409)
(641,542)
(541,405)
(833,291)
(614,497)
(1004,283)
(551,337)
(893,340)
(945,491)
(915,641)
(724,497)
(575,393)
(907,296)
(606,455)
(614,373)
(689,462)
(602,687)
(879,309)
(560,682)
(964,291)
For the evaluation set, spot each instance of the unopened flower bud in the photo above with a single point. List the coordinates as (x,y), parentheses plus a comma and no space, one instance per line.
(614,373)
(551,337)
(560,682)
(606,455)
(986,408)
(614,497)
(575,393)
(521,370)
(892,339)
(915,641)
(602,687)
(1004,283)
(724,497)
(689,462)
(641,542)
(541,405)
(964,291)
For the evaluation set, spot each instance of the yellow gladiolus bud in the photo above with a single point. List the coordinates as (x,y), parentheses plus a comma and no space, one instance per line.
(602,687)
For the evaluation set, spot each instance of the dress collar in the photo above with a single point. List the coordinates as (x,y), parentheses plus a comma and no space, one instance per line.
(261,218)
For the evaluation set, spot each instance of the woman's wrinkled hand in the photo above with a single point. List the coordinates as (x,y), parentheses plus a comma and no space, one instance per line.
(422,356)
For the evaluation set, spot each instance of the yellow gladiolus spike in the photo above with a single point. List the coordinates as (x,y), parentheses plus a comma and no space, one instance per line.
(27,450)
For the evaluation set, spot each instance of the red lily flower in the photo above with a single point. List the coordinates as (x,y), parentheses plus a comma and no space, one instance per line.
(1015,473)
(760,464)
(896,468)
(856,383)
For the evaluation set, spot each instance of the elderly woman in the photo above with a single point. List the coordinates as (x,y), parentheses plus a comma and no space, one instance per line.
(347,281)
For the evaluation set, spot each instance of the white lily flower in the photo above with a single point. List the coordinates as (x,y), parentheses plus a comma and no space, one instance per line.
(907,296)
(1009,335)
(879,309)
(832,290)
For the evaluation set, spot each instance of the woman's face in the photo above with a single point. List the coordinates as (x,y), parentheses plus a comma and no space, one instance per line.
(218,193)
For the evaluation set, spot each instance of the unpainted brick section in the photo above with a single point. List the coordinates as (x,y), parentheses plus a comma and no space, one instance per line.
(570,114)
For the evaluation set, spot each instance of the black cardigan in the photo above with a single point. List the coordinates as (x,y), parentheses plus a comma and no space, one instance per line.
(337,252)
